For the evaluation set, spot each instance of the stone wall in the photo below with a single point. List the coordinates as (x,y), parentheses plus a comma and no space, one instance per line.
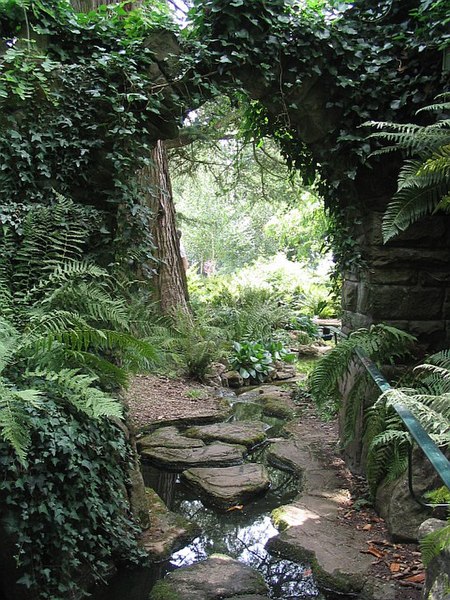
(405,282)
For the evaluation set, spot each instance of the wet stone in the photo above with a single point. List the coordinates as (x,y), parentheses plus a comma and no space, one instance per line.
(228,486)
(216,578)
(247,434)
(168,531)
(287,455)
(167,437)
(179,459)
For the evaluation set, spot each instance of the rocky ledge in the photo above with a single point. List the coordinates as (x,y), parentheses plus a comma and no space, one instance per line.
(217,578)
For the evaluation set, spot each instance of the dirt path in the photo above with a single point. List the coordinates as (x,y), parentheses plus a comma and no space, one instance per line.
(154,401)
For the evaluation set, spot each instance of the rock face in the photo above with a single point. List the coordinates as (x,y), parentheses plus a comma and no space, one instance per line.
(228,486)
(168,437)
(216,578)
(179,459)
(437,581)
(394,502)
(246,434)
(168,531)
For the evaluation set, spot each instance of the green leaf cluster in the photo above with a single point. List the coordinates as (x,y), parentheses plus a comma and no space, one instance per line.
(424,181)
(428,400)
(63,330)
(65,508)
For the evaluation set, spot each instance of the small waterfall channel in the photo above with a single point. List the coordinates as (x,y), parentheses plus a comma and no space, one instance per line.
(240,532)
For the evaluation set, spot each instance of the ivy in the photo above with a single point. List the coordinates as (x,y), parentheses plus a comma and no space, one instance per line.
(369,58)
(66,510)
(80,110)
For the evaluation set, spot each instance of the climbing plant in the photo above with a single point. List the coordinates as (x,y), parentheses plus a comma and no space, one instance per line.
(78,110)
(355,60)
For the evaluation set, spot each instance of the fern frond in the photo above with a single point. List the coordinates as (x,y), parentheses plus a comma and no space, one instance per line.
(77,389)
(14,421)
(434,543)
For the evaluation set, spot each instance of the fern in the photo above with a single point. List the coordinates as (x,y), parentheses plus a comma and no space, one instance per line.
(434,543)
(382,343)
(68,335)
(423,183)
(429,401)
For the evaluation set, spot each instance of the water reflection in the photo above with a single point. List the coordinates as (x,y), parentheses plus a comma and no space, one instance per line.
(246,543)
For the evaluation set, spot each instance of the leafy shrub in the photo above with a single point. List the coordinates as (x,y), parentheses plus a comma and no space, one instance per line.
(60,322)
(65,505)
(305,324)
(255,360)
(252,360)
(187,343)
(389,442)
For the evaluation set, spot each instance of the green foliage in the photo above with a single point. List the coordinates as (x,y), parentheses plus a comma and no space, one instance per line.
(77,103)
(187,344)
(255,360)
(305,324)
(365,60)
(434,543)
(382,343)
(63,329)
(252,361)
(424,181)
(65,507)
(388,440)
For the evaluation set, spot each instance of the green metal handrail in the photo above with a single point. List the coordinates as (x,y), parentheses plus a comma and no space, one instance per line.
(418,434)
(437,459)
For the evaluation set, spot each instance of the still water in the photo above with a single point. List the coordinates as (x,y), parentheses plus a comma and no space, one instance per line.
(240,533)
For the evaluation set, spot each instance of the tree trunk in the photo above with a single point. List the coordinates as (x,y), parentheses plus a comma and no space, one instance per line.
(170,278)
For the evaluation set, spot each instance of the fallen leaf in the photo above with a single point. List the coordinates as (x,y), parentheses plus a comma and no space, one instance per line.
(419,578)
(367,527)
(374,551)
(394,567)
(236,507)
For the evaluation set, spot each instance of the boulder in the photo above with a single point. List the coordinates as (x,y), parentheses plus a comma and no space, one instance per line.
(232,379)
(249,433)
(437,580)
(403,515)
(179,459)
(167,532)
(228,486)
(216,578)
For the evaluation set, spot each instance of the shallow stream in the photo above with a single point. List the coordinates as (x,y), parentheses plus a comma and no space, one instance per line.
(241,533)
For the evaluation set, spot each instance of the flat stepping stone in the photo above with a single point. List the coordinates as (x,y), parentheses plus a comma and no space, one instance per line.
(249,433)
(288,455)
(168,437)
(179,459)
(277,406)
(168,531)
(216,578)
(333,551)
(228,486)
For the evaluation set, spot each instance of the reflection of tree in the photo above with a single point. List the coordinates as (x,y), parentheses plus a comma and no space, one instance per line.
(243,536)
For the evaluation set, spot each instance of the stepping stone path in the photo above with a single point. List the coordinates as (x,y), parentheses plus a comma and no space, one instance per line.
(228,486)
(216,578)
(313,531)
(247,434)
(311,528)
(179,459)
